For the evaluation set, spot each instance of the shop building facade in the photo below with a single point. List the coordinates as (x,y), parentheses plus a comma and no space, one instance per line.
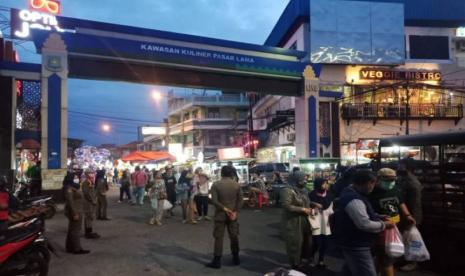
(202,124)
(404,74)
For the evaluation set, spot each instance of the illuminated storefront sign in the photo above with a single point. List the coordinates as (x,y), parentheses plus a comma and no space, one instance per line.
(460,32)
(40,16)
(383,74)
(48,6)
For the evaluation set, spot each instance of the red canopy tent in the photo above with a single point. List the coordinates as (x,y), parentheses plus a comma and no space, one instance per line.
(144,156)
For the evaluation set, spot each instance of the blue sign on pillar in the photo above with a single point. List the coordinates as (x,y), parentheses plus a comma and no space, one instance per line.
(54,122)
(312,126)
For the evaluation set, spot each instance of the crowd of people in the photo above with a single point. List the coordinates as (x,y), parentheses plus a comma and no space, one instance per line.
(86,200)
(355,211)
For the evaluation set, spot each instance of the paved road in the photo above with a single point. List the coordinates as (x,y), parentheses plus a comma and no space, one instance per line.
(130,246)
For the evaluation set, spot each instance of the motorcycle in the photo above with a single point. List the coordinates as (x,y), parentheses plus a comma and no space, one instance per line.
(42,207)
(24,250)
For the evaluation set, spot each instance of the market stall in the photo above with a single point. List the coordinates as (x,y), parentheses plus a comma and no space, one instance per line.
(317,168)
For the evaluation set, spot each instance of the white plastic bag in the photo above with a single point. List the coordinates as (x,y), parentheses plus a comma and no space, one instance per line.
(393,243)
(415,248)
(167,205)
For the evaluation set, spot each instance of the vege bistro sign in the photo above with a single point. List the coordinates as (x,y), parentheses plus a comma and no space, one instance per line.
(41,16)
(383,74)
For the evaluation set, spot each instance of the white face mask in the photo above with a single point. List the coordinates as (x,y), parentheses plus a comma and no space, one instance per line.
(76,181)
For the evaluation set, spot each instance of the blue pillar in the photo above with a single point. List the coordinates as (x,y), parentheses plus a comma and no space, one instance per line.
(54,122)
(312,127)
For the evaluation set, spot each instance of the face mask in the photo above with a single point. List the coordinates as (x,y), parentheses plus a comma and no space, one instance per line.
(76,181)
(388,185)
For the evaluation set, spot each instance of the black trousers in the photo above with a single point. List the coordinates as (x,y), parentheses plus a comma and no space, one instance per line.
(73,240)
(320,244)
(124,190)
(202,204)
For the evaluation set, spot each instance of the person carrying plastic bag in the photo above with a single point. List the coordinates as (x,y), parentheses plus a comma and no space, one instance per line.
(415,248)
(387,201)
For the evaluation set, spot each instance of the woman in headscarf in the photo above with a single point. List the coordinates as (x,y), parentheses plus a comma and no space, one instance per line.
(74,212)
(321,230)
(183,187)
(296,226)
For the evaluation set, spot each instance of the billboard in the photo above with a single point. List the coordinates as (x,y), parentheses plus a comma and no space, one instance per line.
(356,32)
(150,130)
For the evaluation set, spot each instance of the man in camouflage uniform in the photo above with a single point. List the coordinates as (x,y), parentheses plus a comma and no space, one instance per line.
(90,203)
(227,198)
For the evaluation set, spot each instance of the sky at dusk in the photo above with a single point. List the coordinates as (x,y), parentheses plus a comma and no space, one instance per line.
(237,20)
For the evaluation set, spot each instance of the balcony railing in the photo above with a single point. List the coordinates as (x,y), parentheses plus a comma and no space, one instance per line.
(221,100)
(398,112)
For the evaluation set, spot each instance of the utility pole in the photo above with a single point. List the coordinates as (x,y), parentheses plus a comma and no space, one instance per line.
(407,110)
(250,136)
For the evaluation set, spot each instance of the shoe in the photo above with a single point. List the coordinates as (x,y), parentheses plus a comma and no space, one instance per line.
(321,264)
(215,263)
(80,252)
(200,218)
(105,219)
(158,223)
(193,222)
(236,260)
(408,267)
(92,236)
(152,221)
(184,221)
(207,218)
(119,201)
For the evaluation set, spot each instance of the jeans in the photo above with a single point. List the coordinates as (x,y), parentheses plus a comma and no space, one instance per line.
(139,193)
(124,190)
(202,205)
(359,262)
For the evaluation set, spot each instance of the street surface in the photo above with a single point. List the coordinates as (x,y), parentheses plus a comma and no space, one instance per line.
(130,246)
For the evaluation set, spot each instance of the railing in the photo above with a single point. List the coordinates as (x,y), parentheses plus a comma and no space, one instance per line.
(176,104)
(391,111)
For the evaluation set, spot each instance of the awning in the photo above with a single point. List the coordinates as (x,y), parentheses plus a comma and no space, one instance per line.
(28,144)
(144,156)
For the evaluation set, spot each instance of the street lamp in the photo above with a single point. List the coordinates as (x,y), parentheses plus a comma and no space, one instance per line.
(106,127)
(156,96)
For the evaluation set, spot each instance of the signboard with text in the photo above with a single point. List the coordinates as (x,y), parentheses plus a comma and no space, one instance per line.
(385,74)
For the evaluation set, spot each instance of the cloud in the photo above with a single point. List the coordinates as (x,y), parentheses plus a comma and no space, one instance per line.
(238,20)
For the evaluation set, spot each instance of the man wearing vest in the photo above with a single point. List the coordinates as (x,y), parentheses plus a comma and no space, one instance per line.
(356,225)
(139,178)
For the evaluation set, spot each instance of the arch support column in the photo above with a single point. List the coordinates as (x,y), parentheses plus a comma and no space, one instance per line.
(54,111)
(307,117)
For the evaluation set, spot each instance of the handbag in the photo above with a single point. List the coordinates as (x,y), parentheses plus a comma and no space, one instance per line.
(415,248)
(162,196)
(394,246)
(167,205)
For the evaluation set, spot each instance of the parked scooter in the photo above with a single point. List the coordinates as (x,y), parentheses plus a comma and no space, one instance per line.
(42,207)
(24,250)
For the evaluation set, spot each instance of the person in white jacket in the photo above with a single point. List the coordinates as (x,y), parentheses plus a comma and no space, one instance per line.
(320,219)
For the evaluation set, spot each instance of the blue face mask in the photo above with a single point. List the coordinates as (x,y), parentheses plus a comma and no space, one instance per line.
(388,184)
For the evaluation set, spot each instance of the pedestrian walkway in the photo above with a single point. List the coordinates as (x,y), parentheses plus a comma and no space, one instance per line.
(130,246)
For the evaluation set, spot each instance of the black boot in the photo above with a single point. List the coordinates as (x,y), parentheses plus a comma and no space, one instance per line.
(215,263)
(236,260)
(90,234)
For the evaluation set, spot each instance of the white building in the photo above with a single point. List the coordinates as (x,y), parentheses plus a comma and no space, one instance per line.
(414,61)
(205,123)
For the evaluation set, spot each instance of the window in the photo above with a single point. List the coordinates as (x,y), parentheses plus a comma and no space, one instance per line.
(195,114)
(187,116)
(429,47)
(213,112)
(214,138)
